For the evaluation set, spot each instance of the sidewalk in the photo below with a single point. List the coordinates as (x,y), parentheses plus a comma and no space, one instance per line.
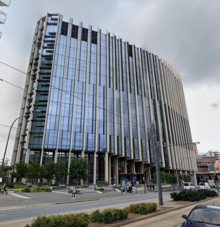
(167,203)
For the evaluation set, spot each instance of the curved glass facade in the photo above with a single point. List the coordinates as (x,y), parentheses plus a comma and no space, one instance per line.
(106,100)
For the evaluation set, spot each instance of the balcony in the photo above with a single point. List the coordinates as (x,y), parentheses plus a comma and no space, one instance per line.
(2,17)
(5,3)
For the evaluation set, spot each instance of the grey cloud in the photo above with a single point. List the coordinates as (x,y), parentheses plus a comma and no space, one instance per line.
(214,105)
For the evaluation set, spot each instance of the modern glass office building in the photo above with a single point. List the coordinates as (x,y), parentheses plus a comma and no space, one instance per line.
(103,99)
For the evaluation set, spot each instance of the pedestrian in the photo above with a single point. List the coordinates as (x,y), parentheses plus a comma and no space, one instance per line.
(73,193)
(150,185)
(147,187)
(4,189)
(127,188)
(122,189)
(153,187)
(131,189)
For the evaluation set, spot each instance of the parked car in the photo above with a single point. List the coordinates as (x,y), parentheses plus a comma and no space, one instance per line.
(211,183)
(204,185)
(203,216)
(189,186)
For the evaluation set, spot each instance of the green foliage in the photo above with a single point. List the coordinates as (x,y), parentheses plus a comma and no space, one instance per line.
(44,189)
(10,185)
(37,189)
(21,170)
(5,169)
(33,171)
(49,171)
(107,216)
(78,169)
(142,208)
(95,216)
(60,171)
(73,220)
(26,190)
(102,183)
(42,174)
(184,177)
(192,195)
(166,178)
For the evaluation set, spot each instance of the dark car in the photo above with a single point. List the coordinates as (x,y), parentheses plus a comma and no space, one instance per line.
(203,216)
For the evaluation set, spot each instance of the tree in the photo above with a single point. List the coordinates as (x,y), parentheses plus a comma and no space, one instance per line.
(172,179)
(184,177)
(78,169)
(42,174)
(5,169)
(60,171)
(50,171)
(21,170)
(33,171)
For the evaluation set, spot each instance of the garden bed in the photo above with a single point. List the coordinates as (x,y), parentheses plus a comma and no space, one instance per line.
(131,216)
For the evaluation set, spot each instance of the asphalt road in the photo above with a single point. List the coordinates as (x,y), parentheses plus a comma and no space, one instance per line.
(14,214)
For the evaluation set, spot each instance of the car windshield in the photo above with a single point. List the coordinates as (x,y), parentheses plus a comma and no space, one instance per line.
(205,215)
(186,184)
(201,183)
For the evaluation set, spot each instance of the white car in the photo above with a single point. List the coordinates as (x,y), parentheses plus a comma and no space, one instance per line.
(204,185)
(189,186)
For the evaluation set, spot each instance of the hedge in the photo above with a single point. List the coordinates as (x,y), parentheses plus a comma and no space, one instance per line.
(73,220)
(82,219)
(37,189)
(192,195)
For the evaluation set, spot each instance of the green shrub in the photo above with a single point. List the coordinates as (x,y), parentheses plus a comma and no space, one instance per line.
(43,189)
(10,185)
(125,213)
(26,190)
(107,216)
(143,208)
(73,220)
(102,183)
(95,216)
(192,195)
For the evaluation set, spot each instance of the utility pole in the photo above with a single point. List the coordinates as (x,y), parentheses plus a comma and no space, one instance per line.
(156,156)
(143,170)
(216,182)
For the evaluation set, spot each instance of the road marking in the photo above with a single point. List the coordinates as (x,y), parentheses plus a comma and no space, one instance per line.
(21,196)
(61,192)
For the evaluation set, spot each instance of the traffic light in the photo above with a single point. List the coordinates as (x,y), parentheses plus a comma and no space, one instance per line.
(161,163)
(202,178)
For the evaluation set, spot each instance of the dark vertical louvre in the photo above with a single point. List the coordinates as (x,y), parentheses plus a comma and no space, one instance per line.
(94,37)
(74,32)
(64,28)
(84,34)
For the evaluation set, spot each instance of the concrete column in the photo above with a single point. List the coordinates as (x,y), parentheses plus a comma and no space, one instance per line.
(82,156)
(27,156)
(126,165)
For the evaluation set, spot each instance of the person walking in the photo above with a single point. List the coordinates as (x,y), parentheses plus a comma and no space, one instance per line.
(147,187)
(4,189)
(127,188)
(73,193)
(122,189)
(153,187)
(150,185)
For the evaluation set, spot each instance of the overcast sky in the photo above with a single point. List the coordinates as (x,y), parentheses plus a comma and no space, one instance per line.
(185,33)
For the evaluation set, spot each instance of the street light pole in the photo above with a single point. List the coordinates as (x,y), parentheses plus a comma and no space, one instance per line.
(36,111)
(7,145)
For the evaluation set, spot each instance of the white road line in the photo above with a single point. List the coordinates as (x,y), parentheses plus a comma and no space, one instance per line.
(61,192)
(21,196)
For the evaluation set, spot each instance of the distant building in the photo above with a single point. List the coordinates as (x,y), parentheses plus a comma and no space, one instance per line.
(195,148)
(214,153)
(2,14)
(205,167)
